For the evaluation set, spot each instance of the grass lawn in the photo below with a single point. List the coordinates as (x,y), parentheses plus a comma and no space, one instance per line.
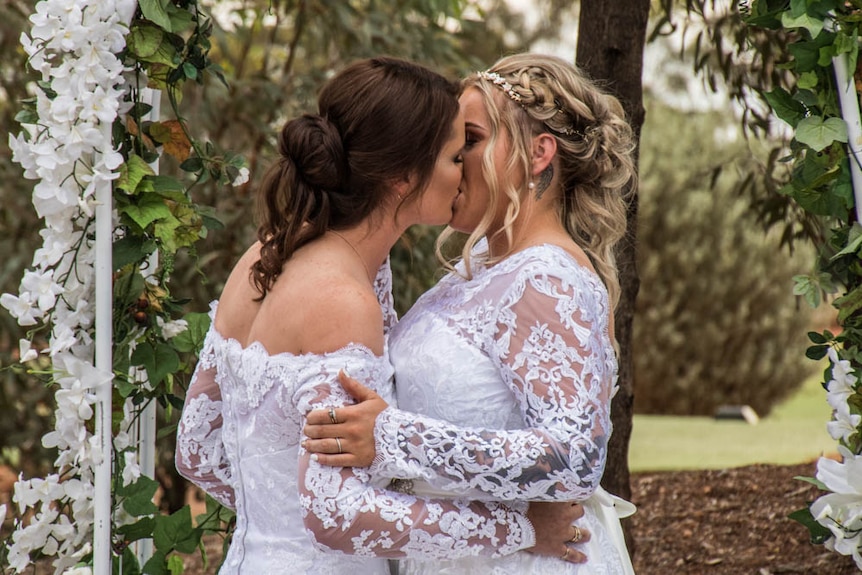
(795,432)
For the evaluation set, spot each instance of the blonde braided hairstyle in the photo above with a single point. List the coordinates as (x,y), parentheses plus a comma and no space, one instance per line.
(529,94)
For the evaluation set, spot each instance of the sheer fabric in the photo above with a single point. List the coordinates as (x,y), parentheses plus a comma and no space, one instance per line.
(290,508)
(513,373)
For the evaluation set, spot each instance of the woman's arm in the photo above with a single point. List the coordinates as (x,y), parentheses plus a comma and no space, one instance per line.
(200,455)
(550,350)
(343,512)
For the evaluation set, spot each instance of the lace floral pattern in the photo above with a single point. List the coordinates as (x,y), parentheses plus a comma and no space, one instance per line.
(200,455)
(513,373)
(263,402)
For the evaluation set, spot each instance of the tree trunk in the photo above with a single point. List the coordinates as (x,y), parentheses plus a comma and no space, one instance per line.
(611,38)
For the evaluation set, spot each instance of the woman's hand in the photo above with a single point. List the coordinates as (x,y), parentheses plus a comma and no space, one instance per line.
(556,534)
(344,436)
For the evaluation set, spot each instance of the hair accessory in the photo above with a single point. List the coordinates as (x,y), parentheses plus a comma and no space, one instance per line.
(502,83)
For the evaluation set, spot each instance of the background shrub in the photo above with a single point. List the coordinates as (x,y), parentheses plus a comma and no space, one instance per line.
(716,321)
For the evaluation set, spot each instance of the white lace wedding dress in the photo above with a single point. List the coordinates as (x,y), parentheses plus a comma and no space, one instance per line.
(239,439)
(522,347)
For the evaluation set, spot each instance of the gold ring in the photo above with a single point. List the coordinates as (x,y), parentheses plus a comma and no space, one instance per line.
(332,417)
(566,554)
(338,441)
(577,535)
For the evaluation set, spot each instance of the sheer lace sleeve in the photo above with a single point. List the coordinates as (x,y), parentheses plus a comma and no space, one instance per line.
(383,289)
(200,455)
(547,337)
(343,512)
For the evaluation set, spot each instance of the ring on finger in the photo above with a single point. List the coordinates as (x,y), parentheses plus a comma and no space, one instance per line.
(332,417)
(576,534)
(338,442)
(566,554)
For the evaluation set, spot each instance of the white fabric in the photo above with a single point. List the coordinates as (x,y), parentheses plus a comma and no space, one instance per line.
(522,348)
(249,406)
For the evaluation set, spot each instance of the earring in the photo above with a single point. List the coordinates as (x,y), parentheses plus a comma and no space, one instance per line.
(544,181)
(531,186)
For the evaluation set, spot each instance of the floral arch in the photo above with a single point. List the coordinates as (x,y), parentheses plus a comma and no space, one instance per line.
(104,326)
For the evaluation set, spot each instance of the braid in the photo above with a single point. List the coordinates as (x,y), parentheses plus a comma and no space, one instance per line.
(594,147)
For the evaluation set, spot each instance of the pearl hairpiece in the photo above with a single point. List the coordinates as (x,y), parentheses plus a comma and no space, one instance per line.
(502,83)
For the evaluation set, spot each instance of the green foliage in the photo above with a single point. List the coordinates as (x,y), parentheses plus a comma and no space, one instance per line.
(716,321)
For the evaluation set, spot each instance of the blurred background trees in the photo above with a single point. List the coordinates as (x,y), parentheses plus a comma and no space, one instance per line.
(714,312)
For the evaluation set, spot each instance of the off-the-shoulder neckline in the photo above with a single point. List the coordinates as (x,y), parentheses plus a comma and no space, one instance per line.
(258,348)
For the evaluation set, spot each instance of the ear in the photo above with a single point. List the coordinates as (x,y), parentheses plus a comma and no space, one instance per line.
(543,151)
(402,187)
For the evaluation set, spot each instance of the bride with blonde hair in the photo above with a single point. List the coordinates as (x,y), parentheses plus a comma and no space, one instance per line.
(505,369)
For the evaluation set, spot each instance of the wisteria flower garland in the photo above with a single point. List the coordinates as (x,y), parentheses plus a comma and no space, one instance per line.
(73,44)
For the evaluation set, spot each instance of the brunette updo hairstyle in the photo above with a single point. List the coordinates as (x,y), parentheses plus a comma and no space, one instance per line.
(379,121)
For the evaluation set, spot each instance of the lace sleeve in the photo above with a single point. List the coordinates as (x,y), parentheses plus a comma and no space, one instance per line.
(383,289)
(343,512)
(550,346)
(200,455)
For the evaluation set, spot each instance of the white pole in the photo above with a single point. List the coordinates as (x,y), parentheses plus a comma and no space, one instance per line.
(104,363)
(146,432)
(850,112)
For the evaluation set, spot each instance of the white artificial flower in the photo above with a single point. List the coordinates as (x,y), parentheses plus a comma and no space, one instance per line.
(21,308)
(85,570)
(43,287)
(241,178)
(28,493)
(173,328)
(26,351)
(844,425)
(842,476)
(132,471)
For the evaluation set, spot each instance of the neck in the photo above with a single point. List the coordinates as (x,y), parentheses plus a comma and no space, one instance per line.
(536,224)
(371,244)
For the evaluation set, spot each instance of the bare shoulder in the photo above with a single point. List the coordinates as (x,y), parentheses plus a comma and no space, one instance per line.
(316,308)
(237,305)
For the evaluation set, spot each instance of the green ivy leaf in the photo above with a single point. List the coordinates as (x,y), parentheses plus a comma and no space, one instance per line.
(813,25)
(131,249)
(806,53)
(158,361)
(817,132)
(132,173)
(156,564)
(175,532)
(854,242)
(785,106)
(143,41)
(149,209)
(817,532)
(140,529)
(849,304)
(192,339)
(139,496)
